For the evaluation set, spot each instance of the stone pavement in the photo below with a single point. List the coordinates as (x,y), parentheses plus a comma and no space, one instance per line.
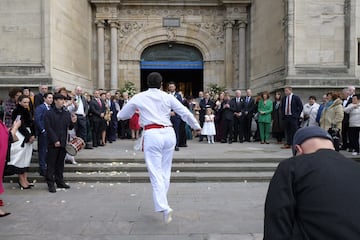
(89,211)
(213,211)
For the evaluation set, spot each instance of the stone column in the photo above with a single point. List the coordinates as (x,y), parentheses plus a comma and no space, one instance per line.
(114,56)
(242,56)
(101,55)
(228,54)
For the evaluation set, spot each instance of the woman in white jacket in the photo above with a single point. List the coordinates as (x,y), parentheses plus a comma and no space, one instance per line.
(309,113)
(353,109)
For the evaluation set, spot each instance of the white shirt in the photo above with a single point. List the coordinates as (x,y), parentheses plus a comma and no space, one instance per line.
(80,109)
(155,107)
(354,114)
(311,111)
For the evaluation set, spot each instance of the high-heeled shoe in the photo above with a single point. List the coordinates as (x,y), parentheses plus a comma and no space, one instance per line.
(22,187)
(4,214)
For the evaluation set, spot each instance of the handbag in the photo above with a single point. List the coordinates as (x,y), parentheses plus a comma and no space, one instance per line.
(256,116)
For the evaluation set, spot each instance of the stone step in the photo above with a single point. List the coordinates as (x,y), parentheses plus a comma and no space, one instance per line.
(182,167)
(137,177)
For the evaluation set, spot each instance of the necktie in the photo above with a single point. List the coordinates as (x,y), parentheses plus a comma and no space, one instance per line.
(288,106)
(247,99)
(99,102)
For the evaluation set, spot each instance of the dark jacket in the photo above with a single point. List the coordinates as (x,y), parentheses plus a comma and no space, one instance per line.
(313,196)
(296,106)
(238,107)
(95,109)
(40,112)
(203,106)
(26,122)
(226,113)
(57,123)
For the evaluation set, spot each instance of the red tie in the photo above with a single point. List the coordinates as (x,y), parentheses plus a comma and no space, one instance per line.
(288,106)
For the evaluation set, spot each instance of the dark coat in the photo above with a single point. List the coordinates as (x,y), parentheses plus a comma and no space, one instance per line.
(238,107)
(296,106)
(95,109)
(226,113)
(39,120)
(277,125)
(203,106)
(57,123)
(313,196)
(26,122)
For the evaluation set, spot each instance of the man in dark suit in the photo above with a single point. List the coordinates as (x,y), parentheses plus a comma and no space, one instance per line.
(82,111)
(175,119)
(347,99)
(113,124)
(291,110)
(312,195)
(227,115)
(124,131)
(249,107)
(40,131)
(39,98)
(204,103)
(57,122)
(96,112)
(237,105)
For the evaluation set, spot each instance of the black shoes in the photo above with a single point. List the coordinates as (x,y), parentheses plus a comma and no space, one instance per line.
(177,149)
(5,214)
(22,187)
(51,187)
(63,185)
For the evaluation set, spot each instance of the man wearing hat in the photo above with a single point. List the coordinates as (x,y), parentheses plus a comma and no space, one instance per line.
(310,195)
(57,122)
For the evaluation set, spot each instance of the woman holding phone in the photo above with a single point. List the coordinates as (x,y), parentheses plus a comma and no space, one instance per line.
(21,151)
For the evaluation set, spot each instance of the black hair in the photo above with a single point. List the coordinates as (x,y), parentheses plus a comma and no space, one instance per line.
(154,80)
(59,96)
(312,97)
(46,94)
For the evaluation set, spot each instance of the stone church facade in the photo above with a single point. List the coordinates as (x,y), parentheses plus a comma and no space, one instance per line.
(311,45)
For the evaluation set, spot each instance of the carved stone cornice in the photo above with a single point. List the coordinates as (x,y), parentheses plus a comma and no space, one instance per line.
(113,23)
(100,23)
(169,12)
(236,13)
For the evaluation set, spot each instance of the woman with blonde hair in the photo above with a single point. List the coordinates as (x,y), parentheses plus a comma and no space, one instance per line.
(333,112)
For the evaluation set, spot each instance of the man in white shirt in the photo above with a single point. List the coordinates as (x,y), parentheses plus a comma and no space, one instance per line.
(159,137)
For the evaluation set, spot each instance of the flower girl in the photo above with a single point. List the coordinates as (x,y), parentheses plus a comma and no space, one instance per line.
(209,126)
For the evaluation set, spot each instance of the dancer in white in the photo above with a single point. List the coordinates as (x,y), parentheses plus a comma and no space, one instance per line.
(155,107)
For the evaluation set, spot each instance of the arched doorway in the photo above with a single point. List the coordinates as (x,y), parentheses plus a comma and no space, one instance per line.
(178,63)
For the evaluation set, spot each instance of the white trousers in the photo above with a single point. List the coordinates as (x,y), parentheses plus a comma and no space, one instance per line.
(159,144)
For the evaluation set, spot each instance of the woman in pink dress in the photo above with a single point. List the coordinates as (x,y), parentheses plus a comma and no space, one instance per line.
(4,146)
(134,125)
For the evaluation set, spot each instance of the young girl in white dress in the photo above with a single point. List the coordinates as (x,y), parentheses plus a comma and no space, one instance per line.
(209,126)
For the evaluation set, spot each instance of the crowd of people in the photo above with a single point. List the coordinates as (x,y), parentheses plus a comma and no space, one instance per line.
(223,118)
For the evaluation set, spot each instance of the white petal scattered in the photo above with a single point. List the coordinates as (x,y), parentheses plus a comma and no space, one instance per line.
(177,171)
(63,201)
(111,184)
(245,181)
(92,186)
(28,201)
(133,195)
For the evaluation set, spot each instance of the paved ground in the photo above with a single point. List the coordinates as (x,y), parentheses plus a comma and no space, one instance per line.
(89,211)
(232,211)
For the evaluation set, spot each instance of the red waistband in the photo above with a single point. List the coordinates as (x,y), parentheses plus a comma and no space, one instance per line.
(154,125)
